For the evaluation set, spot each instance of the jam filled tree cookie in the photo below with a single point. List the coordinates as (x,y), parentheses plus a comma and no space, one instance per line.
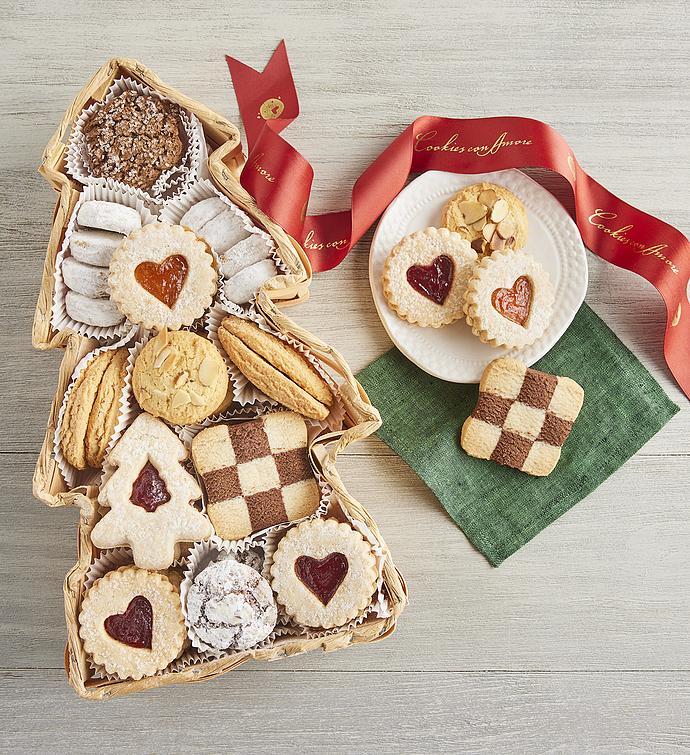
(489,216)
(425,276)
(509,299)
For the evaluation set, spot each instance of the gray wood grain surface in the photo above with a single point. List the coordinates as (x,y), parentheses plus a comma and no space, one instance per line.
(579,642)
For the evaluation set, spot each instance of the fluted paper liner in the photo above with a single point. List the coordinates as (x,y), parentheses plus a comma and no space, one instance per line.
(172,181)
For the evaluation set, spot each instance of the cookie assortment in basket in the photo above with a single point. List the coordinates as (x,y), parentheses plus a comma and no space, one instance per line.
(194,424)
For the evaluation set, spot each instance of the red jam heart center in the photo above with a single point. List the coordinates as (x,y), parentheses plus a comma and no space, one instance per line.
(323,577)
(514,303)
(134,627)
(163,280)
(149,489)
(434,280)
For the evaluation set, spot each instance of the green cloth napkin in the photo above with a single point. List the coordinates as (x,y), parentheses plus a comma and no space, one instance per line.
(498,508)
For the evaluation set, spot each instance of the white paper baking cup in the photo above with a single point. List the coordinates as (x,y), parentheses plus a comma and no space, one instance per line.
(108,191)
(171,182)
(174,210)
(75,477)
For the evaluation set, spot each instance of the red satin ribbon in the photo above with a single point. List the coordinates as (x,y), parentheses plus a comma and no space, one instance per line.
(280,180)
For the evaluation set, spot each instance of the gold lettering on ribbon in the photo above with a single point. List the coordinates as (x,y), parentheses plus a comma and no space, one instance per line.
(261,170)
(428,142)
(321,245)
(620,235)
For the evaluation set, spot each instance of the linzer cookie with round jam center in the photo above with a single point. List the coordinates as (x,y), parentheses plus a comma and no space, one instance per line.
(522,417)
(323,573)
(131,622)
(162,276)
(425,276)
(149,495)
(180,377)
(509,299)
(256,474)
(489,216)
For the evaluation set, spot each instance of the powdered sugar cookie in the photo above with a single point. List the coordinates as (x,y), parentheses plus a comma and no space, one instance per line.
(88,280)
(323,573)
(101,313)
(425,276)
(243,285)
(108,216)
(509,299)
(162,275)
(489,216)
(201,212)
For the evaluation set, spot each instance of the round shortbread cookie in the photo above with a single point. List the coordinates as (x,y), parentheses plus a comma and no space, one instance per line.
(102,313)
(323,573)
(131,622)
(180,377)
(509,299)
(108,216)
(489,216)
(162,276)
(425,276)
(85,279)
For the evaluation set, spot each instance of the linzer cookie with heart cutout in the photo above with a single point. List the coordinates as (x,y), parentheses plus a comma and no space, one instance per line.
(425,276)
(131,622)
(323,573)
(509,299)
(162,276)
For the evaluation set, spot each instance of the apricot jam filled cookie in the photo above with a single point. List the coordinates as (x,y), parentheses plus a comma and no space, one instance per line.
(509,299)
(162,276)
(489,216)
(425,276)
(323,573)
(131,622)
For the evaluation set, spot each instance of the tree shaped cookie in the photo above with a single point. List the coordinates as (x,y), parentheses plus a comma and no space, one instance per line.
(149,495)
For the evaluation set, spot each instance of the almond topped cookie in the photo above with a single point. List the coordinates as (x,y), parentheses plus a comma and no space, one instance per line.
(425,276)
(509,299)
(489,216)
(162,276)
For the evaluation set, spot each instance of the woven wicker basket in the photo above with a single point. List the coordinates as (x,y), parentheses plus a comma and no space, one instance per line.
(361,418)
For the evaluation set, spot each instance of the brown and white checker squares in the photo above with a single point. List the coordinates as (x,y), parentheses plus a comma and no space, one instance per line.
(522,417)
(256,474)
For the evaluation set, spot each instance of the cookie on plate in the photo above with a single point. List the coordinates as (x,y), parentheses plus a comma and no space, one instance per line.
(509,299)
(489,216)
(149,495)
(323,573)
(180,377)
(256,474)
(230,606)
(425,276)
(162,276)
(522,417)
(131,622)
(275,368)
(92,409)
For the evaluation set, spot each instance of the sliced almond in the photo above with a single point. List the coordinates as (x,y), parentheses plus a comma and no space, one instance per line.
(497,243)
(500,211)
(472,211)
(196,398)
(488,231)
(179,399)
(181,379)
(479,224)
(487,197)
(207,371)
(156,393)
(162,355)
(506,228)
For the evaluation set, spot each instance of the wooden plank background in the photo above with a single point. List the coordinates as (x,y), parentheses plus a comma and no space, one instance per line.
(580,641)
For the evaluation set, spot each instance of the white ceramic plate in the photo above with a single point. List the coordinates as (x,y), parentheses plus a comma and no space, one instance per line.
(452,353)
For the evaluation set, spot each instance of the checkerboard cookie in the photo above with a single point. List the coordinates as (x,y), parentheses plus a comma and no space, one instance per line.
(489,216)
(425,277)
(256,474)
(509,299)
(522,417)
(323,573)
(162,276)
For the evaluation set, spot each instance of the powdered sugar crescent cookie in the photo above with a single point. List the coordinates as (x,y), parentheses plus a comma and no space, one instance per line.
(323,573)
(509,299)
(425,276)
(131,622)
(162,276)
(489,216)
